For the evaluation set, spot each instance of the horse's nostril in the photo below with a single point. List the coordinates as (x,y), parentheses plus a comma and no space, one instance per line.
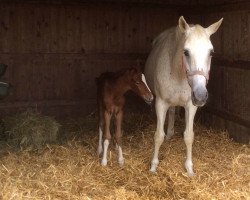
(206,96)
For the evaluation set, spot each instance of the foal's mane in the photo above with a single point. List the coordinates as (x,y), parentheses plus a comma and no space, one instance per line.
(111,76)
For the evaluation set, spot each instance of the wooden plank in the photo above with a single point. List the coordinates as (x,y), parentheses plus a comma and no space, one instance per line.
(227,116)
(4,28)
(237,64)
(211,9)
(73,29)
(236,131)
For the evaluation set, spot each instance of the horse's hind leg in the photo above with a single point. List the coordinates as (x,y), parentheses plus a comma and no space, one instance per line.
(161,108)
(118,136)
(190,111)
(107,137)
(171,119)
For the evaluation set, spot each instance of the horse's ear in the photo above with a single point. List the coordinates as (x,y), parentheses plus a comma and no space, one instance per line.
(183,25)
(214,27)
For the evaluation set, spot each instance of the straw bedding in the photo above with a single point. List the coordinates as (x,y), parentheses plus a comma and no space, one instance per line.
(70,169)
(30,129)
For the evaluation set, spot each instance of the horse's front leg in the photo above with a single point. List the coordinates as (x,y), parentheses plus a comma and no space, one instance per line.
(107,137)
(161,108)
(190,111)
(118,136)
(171,118)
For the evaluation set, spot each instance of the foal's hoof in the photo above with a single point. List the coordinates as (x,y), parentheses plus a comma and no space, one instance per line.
(104,162)
(121,162)
(153,169)
(191,174)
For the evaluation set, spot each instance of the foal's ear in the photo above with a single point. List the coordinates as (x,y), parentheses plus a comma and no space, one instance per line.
(134,70)
(214,27)
(183,25)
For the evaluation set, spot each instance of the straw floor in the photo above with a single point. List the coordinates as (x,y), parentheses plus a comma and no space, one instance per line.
(70,169)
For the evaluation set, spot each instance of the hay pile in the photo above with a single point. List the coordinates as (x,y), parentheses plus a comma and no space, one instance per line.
(72,170)
(30,130)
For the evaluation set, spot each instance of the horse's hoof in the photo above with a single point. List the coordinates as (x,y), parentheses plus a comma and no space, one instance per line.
(189,168)
(104,163)
(169,135)
(99,151)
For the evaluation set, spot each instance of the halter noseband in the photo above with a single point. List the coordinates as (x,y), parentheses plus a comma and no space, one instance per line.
(195,72)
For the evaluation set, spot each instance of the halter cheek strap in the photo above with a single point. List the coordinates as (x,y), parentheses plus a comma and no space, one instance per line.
(196,72)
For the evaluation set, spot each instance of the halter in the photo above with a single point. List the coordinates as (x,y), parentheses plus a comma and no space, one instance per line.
(195,72)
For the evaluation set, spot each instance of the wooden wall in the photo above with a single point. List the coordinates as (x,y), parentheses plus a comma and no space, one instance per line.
(55,51)
(229,85)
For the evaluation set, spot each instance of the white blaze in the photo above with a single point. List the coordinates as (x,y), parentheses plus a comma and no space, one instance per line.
(144,81)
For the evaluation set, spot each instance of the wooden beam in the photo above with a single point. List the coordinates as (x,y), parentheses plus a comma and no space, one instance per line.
(227,116)
(238,64)
(98,56)
(216,8)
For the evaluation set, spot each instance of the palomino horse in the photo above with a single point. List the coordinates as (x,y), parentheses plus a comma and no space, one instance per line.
(111,88)
(177,72)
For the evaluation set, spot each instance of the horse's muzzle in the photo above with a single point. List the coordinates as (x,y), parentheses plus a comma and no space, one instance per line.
(199,97)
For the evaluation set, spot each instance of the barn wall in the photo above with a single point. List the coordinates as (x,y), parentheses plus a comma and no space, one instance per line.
(55,51)
(229,85)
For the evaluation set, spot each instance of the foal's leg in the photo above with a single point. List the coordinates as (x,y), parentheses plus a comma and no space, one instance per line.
(107,137)
(161,108)
(190,111)
(118,136)
(171,118)
(100,149)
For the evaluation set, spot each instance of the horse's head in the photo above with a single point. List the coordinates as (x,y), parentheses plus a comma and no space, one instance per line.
(196,58)
(138,85)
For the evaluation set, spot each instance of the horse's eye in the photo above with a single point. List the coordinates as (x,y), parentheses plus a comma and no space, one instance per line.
(186,52)
(211,52)
(137,82)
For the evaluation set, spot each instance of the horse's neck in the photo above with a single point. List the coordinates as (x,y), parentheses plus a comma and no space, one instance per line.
(177,67)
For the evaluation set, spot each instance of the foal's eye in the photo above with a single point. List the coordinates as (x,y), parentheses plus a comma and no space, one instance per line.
(211,53)
(137,82)
(186,52)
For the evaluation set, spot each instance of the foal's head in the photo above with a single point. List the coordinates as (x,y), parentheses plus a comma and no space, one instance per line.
(197,54)
(137,83)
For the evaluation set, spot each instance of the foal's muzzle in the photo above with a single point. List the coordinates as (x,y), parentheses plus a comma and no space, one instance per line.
(199,96)
(148,99)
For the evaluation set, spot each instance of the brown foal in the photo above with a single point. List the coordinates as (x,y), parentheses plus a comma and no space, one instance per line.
(111,87)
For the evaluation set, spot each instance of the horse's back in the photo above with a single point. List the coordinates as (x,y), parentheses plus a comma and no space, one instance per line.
(158,64)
